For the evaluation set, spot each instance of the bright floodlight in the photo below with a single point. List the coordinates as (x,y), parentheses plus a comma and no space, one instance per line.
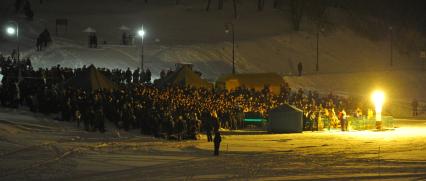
(378,97)
(10,30)
(141,33)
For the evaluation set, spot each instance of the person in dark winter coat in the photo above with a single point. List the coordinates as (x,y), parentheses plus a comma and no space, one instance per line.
(100,120)
(300,68)
(136,76)
(147,76)
(77,117)
(414,105)
(39,44)
(45,37)
(207,120)
(95,41)
(217,140)
(128,76)
(124,38)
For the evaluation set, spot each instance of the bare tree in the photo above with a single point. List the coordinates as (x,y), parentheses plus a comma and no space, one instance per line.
(208,5)
(260,4)
(220,4)
(317,11)
(297,8)
(18,4)
(277,4)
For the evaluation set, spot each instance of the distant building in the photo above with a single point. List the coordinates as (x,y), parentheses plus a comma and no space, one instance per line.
(256,81)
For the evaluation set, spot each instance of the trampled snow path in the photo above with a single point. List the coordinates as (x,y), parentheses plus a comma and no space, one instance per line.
(36,147)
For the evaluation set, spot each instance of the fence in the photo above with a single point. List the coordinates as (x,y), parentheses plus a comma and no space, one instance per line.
(360,123)
(365,124)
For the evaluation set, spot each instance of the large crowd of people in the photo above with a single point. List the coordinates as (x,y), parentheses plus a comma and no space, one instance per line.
(172,112)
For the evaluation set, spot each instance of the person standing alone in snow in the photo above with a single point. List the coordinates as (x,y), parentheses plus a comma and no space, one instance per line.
(300,68)
(217,140)
(414,105)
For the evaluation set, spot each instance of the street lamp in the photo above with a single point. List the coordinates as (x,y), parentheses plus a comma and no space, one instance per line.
(230,27)
(391,45)
(10,30)
(141,34)
(318,33)
(14,30)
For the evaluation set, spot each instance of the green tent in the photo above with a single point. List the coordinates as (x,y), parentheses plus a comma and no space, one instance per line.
(184,76)
(285,119)
(90,80)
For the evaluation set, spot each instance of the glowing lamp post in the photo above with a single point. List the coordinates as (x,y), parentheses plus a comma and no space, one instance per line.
(378,97)
(10,30)
(14,31)
(141,34)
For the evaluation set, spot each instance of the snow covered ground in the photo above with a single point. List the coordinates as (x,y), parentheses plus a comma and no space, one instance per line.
(34,147)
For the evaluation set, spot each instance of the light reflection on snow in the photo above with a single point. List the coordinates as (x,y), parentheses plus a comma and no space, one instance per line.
(398,133)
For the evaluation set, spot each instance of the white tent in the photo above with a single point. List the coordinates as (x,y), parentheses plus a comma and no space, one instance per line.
(89,30)
(285,119)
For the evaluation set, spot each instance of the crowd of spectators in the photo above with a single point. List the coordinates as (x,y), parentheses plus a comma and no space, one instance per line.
(172,112)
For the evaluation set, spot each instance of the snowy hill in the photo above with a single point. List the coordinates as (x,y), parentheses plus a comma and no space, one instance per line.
(188,33)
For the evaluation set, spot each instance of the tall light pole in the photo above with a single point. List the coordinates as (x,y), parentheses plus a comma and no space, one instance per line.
(14,31)
(141,33)
(230,27)
(319,30)
(391,45)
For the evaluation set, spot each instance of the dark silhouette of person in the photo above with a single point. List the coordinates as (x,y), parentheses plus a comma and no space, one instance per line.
(90,40)
(39,43)
(217,140)
(124,38)
(300,68)
(95,41)
(147,76)
(414,105)
(45,37)
(14,54)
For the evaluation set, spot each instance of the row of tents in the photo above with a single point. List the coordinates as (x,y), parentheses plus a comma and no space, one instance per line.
(92,79)
(185,76)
